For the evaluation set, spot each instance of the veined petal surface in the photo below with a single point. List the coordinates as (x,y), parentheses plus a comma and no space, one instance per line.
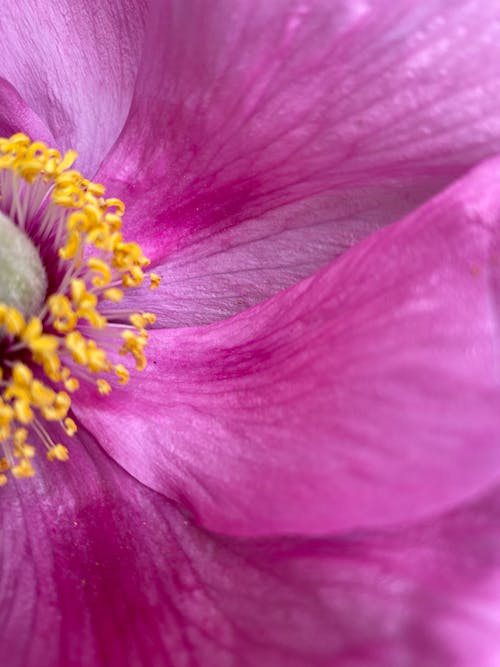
(363,396)
(74,64)
(98,571)
(264,138)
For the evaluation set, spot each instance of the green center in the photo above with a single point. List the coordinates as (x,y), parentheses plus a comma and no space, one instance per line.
(23,281)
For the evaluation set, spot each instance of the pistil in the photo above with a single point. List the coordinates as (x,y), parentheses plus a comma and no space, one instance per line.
(23,281)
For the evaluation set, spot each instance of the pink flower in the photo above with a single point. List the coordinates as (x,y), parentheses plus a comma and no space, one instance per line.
(305,474)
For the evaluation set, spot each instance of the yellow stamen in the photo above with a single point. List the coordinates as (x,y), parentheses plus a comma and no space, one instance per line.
(63,341)
(122,373)
(13,321)
(23,469)
(113,294)
(154,281)
(70,426)
(103,386)
(58,452)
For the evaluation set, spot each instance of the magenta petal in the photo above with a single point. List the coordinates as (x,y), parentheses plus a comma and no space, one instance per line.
(301,126)
(228,271)
(363,396)
(75,64)
(16,116)
(98,571)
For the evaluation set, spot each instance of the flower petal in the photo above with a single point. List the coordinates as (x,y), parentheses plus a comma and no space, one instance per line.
(16,116)
(301,126)
(75,64)
(363,396)
(232,270)
(98,571)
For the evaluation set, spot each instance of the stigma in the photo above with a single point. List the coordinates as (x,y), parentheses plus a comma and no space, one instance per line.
(62,323)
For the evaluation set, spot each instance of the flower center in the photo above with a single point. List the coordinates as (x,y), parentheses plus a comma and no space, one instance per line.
(59,237)
(23,281)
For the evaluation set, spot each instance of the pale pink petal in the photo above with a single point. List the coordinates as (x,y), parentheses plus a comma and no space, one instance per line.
(363,396)
(99,571)
(271,135)
(74,63)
